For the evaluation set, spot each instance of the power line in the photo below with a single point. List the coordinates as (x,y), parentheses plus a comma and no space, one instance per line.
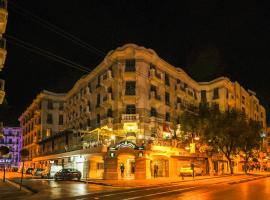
(45,53)
(64,33)
(56,29)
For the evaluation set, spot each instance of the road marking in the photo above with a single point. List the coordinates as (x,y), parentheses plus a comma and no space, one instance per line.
(153,188)
(107,195)
(148,195)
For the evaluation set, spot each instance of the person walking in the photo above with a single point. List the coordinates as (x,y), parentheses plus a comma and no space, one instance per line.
(155,171)
(122,169)
(192,168)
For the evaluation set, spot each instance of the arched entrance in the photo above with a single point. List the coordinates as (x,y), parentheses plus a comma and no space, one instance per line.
(161,163)
(126,163)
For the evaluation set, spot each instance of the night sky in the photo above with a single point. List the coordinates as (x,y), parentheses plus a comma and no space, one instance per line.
(207,38)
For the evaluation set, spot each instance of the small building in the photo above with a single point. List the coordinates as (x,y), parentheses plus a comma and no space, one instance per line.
(12,138)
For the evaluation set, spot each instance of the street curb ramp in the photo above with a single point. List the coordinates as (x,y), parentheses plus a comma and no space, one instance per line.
(24,187)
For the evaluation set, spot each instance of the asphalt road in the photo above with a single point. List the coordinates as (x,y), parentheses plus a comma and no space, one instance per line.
(214,189)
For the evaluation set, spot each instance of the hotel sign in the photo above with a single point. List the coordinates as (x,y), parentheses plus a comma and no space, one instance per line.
(126,144)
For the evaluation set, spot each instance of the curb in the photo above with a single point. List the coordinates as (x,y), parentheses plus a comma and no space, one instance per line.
(24,188)
(249,179)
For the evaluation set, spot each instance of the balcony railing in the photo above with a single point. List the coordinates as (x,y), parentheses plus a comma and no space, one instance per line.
(130,117)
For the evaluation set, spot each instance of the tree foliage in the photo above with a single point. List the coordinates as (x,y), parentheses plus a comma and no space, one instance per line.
(4,150)
(226,132)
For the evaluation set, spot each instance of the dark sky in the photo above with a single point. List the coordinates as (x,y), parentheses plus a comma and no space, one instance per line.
(207,38)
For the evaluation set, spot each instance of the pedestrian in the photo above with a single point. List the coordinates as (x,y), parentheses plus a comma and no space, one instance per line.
(155,171)
(222,168)
(192,168)
(122,169)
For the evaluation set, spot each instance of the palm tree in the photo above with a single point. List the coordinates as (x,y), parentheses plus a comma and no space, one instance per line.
(4,150)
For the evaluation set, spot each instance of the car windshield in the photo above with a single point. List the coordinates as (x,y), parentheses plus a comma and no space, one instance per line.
(68,170)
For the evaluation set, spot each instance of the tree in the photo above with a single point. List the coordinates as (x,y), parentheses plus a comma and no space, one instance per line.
(224,132)
(4,150)
(24,155)
(250,140)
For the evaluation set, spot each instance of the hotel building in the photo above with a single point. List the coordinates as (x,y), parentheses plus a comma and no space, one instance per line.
(125,112)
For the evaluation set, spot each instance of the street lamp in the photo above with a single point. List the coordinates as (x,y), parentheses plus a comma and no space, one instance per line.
(113,138)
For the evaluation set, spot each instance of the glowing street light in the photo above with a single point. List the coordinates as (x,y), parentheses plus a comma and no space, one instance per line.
(197,138)
(113,138)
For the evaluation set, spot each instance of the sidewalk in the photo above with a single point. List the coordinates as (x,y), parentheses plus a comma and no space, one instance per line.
(148,182)
(8,191)
(159,181)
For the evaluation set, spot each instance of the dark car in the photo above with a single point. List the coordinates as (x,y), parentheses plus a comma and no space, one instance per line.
(29,170)
(68,174)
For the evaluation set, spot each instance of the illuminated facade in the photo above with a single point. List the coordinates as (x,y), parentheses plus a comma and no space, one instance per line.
(126,112)
(3,52)
(12,138)
(42,120)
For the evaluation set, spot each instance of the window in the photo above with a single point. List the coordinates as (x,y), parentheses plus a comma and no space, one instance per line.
(167,98)
(49,119)
(179,100)
(98,118)
(98,82)
(98,100)
(131,109)
(167,117)
(61,106)
(130,65)
(89,105)
(153,88)
(61,119)
(50,105)
(203,96)
(153,112)
(216,93)
(130,88)
(88,122)
(243,100)
(109,112)
(167,79)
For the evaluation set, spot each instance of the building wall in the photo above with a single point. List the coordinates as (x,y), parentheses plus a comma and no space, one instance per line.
(12,138)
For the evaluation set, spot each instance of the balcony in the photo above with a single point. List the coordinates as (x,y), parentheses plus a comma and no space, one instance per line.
(3,16)
(3,53)
(155,100)
(107,79)
(130,118)
(155,77)
(2,91)
(108,100)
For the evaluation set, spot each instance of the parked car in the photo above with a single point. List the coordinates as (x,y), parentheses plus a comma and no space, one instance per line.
(186,170)
(37,172)
(49,172)
(29,170)
(68,174)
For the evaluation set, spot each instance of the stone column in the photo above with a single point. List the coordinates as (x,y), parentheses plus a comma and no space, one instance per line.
(111,168)
(173,170)
(142,168)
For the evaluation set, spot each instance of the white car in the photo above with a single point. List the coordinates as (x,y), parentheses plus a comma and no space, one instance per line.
(186,170)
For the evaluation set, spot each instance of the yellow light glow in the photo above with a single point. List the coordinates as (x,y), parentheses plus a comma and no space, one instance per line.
(130,127)
(140,136)
(197,138)
(113,137)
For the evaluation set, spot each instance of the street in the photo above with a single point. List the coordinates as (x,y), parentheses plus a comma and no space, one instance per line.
(220,188)
(203,188)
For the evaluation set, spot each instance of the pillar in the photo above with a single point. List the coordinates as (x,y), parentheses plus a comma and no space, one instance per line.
(110,168)
(142,168)
(173,170)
